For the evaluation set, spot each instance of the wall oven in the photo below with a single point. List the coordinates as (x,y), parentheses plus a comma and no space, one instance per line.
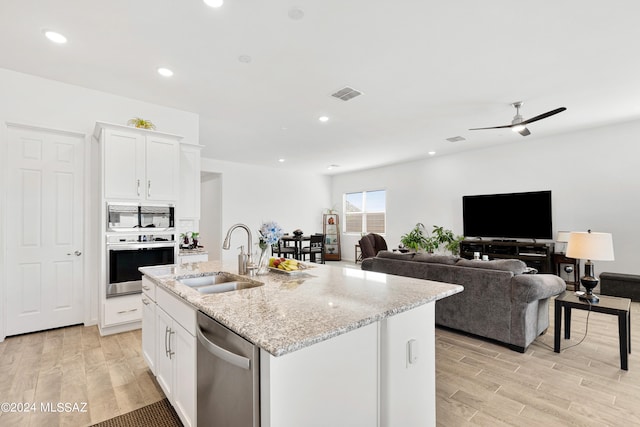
(126,253)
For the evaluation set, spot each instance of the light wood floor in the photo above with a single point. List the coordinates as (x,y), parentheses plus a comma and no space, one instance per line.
(480,383)
(74,365)
(477,382)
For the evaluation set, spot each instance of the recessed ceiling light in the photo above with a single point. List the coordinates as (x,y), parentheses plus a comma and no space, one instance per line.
(333,166)
(165,72)
(244,58)
(213,3)
(55,37)
(323,119)
(281,160)
(432,153)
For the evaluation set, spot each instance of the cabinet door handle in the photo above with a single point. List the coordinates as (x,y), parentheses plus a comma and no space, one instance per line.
(128,311)
(144,301)
(166,346)
(171,352)
(146,288)
(138,189)
(149,188)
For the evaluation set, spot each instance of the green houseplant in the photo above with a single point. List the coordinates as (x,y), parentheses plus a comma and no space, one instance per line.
(442,237)
(417,239)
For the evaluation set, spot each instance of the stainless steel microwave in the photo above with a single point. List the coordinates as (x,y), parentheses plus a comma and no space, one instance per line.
(124,217)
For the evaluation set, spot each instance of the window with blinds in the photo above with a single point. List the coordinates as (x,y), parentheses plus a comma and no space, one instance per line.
(365,212)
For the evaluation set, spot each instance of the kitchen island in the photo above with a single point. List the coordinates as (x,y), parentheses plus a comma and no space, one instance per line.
(338,346)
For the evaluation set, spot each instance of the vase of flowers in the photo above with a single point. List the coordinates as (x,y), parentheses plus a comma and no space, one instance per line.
(270,234)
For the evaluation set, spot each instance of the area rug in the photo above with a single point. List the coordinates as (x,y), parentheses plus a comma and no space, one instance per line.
(159,414)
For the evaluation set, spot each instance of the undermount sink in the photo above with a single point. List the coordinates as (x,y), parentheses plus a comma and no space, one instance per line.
(226,287)
(217,283)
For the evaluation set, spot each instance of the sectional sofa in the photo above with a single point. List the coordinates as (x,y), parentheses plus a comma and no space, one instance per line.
(502,300)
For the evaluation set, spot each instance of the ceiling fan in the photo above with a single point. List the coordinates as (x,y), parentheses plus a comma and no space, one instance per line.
(519,125)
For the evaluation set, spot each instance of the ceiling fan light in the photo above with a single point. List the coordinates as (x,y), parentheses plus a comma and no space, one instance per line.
(518,128)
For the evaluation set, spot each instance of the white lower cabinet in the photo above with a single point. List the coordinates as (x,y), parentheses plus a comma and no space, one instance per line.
(175,363)
(122,309)
(382,374)
(332,383)
(149,323)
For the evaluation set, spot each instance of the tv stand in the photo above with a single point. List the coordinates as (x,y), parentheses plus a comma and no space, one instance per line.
(535,255)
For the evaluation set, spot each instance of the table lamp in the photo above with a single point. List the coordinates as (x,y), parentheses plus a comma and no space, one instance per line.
(563,237)
(590,246)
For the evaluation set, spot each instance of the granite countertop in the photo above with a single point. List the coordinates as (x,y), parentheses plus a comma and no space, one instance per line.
(291,312)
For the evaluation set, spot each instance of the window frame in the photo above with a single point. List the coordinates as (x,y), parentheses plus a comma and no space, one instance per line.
(363,225)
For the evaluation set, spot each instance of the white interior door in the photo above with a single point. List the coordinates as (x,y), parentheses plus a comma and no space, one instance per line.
(44,223)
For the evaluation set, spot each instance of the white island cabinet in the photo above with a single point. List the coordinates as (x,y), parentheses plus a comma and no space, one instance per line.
(362,378)
(169,347)
(338,347)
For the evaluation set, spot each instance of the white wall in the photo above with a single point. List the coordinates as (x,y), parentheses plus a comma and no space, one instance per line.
(211,213)
(254,194)
(593,175)
(33,100)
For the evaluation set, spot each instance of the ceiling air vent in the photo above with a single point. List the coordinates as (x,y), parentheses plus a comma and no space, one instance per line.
(346,93)
(456,139)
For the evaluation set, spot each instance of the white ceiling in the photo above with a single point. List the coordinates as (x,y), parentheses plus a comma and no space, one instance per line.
(429,70)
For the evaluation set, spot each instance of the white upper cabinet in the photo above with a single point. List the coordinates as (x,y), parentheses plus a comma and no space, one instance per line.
(190,181)
(163,166)
(139,165)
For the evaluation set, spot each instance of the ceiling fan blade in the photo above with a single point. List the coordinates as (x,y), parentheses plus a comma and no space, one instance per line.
(544,115)
(524,132)
(493,127)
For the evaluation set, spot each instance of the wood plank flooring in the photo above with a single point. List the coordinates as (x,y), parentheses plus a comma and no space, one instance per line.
(74,365)
(481,383)
(477,382)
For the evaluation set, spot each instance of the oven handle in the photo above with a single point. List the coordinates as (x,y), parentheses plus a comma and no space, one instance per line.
(137,246)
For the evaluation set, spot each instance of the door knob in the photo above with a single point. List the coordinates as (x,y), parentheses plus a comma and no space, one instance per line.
(76,253)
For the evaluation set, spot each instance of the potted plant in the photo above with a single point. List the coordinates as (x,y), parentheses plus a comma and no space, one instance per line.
(445,237)
(416,239)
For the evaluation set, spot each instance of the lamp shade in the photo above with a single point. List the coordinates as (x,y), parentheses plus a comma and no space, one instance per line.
(563,236)
(591,246)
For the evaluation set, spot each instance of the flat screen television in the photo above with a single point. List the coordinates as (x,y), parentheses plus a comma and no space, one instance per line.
(509,216)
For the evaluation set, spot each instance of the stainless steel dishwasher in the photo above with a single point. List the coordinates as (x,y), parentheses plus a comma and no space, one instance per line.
(228,377)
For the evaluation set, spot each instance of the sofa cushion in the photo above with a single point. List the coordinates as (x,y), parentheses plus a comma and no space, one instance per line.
(516,266)
(436,259)
(407,256)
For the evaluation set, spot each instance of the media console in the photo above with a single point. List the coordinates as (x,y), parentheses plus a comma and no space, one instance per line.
(535,255)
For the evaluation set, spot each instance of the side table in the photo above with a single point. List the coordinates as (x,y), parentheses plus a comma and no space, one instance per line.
(608,305)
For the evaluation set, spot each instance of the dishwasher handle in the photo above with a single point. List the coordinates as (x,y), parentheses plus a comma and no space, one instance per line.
(227,356)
